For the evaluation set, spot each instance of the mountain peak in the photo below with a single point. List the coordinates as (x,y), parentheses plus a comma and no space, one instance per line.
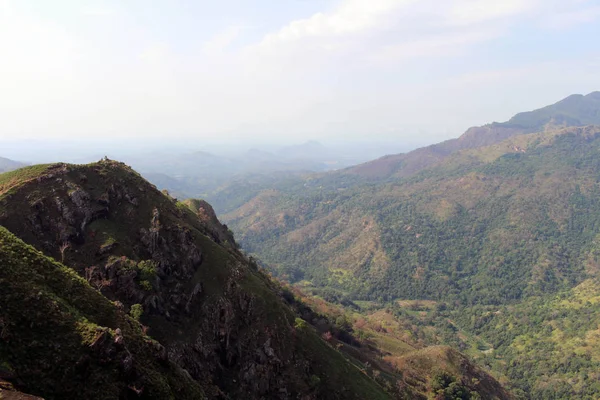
(594,95)
(574,110)
(170,264)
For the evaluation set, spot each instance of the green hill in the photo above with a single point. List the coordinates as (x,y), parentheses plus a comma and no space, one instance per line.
(505,221)
(548,344)
(63,339)
(211,324)
(490,226)
(575,110)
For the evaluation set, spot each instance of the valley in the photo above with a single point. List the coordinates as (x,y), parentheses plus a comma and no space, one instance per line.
(132,293)
(300,200)
(493,228)
(463,270)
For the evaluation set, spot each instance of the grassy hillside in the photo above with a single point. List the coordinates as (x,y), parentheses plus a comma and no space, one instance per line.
(388,348)
(491,226)
(60,338)
(174,267)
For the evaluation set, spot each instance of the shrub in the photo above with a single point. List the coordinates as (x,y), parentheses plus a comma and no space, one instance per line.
(136,311)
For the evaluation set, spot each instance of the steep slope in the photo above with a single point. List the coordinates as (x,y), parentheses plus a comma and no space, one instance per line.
(575,110)
(493,226)
(180,271)
(450,363)
(505,221)
(384,347)
(62,339)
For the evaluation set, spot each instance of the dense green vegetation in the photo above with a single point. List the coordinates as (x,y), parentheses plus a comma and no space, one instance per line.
(181,296)
(59,336)
(508,225)
(383,347)
(472,232)
(548,345)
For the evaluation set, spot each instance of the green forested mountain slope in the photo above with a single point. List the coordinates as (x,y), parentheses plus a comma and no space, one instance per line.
(507,225)
(543,347)
(204,307)
(62,339)
(549,345)
(489,226)
(575,110)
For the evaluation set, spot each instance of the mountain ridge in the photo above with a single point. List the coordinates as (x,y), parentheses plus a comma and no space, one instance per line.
(51,317)
(486,230)
(178,270)
(575,110)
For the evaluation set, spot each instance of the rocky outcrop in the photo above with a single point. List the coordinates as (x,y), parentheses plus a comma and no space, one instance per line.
(218,232)
(62,339)
(210,312)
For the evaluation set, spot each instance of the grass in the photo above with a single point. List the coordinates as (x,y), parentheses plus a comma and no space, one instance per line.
(344,377)
(392,345)
(105,232)
(224,275)
(11,179)
(51,316)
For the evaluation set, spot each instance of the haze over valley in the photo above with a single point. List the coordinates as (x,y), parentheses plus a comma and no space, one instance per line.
(310,200)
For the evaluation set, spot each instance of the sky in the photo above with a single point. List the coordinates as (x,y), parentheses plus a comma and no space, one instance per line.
(194,72)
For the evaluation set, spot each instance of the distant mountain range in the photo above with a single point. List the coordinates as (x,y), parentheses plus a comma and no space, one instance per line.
(200,173)
(9,165)
(214,327)
(575,110)
(497,231)
(112,289)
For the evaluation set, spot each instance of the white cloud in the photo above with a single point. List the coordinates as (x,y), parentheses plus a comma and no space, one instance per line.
(389,30)
(352,16)
(465,12)
(449,44)
(220,41)
(98,11)
(155,52)
(569,18)
(345,69)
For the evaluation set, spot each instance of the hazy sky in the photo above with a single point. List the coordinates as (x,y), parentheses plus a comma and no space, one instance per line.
(301,69)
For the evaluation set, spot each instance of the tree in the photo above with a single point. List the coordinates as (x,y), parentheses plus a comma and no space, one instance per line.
(136,311)
(63,247)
